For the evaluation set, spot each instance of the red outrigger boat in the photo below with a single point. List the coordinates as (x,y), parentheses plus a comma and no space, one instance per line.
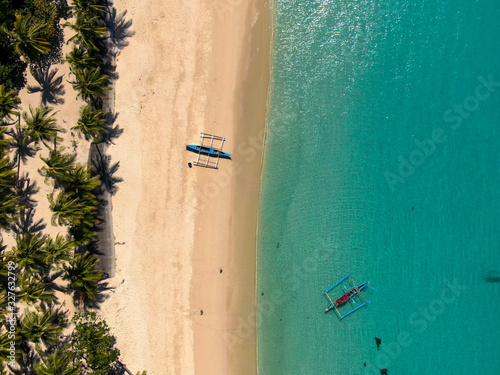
(348,296)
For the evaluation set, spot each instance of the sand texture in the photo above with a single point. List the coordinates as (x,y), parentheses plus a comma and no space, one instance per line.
(190,67)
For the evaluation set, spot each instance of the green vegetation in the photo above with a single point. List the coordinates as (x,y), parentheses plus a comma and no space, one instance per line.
(30,31)
(28,38)
(42,126)
(91,85)
(58,363)
(9,102)
(93,342)
(8,182)
(46,340)
(91,125)
(88,31)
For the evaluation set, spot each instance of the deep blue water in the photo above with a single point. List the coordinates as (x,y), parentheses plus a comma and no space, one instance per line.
(382,159)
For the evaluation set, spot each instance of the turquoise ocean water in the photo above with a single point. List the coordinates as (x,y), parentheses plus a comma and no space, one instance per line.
(382,158)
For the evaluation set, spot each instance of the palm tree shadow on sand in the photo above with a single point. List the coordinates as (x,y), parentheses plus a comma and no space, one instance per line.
(106,172)
(50,86)
(26,223)
(100,162)
(119,29)
(114,131)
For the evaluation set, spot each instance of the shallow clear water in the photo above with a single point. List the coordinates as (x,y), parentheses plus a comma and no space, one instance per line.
(382,159)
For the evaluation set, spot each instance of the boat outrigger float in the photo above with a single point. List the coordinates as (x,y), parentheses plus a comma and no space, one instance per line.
(351,293)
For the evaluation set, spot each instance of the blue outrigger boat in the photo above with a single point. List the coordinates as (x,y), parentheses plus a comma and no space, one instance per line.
(209,151)
(350,295)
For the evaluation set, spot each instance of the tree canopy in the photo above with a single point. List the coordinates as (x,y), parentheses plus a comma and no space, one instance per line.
(93,342)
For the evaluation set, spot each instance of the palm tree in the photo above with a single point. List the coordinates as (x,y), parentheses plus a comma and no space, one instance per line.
(91,84)
(58,165)
(80,58)
(50,86)
(68,209)
(7,174)
(65,209)
(80,184)
(78,205)
(42,126)
(4,302)
(89,7)
(8,208)
(88,31)
(4,272)
(57,251)
(33,290)
(27,38)
(8,197)
(57,363)
(5,343)
(42,326)
(83,234)
(4,142)
(83,276)
(29,252)
(92,125)
(9,102)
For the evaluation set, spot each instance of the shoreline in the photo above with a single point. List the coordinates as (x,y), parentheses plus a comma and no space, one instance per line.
(189,68)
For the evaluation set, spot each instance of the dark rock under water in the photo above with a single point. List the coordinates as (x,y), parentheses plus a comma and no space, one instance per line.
(378,342)
(492,277)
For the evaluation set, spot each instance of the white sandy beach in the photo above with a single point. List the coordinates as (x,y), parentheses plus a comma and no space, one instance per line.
(191,67)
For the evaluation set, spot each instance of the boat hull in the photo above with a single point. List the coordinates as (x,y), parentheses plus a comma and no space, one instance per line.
(208,151)
(350,294)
